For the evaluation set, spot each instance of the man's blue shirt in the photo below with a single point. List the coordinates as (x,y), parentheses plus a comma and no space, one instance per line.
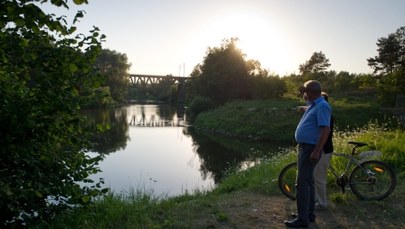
(316,116)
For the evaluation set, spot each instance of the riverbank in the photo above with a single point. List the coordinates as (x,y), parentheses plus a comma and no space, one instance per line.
(238,205)
(249,198)
(275,120)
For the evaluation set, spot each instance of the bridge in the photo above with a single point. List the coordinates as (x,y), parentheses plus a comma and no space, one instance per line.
(139,79)
(143,80)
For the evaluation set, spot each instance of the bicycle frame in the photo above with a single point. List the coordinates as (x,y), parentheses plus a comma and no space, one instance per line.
(351,161)
(342,179)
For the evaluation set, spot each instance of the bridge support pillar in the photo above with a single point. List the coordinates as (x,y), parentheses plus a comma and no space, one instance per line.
(181,92)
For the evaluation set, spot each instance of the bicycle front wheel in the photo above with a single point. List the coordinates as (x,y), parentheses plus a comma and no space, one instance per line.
(287,180)
(372,180)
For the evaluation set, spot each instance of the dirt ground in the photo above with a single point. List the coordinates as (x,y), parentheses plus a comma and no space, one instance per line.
(252,210)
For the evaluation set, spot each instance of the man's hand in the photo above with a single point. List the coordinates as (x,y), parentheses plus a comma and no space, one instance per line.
(314,155)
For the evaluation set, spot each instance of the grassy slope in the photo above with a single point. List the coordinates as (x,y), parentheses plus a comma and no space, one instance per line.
(268,120)
(276,119)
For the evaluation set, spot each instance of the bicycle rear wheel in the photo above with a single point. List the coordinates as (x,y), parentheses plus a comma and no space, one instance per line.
(372,180)
(287,179)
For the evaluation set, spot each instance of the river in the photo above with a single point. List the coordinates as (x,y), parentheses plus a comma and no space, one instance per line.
(150,148)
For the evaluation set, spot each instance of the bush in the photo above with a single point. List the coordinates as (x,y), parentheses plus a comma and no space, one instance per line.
(200,104)
(100,97)
(43,141)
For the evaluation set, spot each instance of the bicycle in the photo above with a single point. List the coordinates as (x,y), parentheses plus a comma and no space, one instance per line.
(369,180)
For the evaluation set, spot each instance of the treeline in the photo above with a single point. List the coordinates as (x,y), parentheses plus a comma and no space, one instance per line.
(226,75)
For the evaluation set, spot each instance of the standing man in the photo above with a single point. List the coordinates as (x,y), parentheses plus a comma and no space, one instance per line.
(311,134)
(321,168)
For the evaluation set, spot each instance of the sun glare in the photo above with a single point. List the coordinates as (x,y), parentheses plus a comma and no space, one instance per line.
(258,39)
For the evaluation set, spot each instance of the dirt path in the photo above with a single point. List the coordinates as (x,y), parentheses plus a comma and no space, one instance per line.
(250,210)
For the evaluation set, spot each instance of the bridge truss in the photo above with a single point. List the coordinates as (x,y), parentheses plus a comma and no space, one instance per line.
(144,80)
(138,79)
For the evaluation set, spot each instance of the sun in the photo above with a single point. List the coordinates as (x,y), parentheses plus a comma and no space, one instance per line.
(258,40)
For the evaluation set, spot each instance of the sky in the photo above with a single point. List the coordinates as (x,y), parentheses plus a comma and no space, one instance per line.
(162,37)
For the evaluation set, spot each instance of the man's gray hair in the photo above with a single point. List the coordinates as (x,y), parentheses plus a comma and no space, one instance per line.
(313,86)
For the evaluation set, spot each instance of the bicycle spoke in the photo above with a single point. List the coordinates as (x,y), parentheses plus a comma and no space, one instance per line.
(372,180)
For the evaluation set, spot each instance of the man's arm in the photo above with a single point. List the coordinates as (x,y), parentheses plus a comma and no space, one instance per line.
(316,153)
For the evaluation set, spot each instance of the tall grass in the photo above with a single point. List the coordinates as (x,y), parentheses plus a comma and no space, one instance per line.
(134,209)
(379,137)
(263,177)
(137,209)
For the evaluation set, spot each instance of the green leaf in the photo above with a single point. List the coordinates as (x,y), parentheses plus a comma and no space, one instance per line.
(57,2)
(38,194)
(79,2)
(103,128)
(19,22)
(8,191)
(73,68)
(72,29)
(85,199)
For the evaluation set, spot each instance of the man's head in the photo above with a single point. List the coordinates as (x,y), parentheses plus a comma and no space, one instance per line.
(325,96)
(312,89)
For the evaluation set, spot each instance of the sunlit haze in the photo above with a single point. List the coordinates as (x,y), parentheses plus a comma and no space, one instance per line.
(171,37)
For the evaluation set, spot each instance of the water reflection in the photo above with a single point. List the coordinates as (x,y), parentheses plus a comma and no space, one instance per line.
(215,157)
(150,146)
(156,116)
(218,154)
(115,122)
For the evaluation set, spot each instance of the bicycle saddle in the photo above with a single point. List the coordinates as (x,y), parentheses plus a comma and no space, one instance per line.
(358,144)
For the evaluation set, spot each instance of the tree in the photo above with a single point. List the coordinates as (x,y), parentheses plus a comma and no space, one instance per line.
(114,67)
(224,74)
(267,87)
(391,53)
(390,64)
(344,81)
(318,63)
(44,70)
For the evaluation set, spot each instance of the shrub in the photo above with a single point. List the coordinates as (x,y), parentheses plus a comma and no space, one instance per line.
(200,104)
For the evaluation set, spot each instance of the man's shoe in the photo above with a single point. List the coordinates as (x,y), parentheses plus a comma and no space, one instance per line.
(320,207)
(310,219)
(295,223)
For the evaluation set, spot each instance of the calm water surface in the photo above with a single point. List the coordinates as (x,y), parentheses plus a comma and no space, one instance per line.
(149,148)
(160,159)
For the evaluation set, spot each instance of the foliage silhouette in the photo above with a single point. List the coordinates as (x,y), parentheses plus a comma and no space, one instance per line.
(44,71)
